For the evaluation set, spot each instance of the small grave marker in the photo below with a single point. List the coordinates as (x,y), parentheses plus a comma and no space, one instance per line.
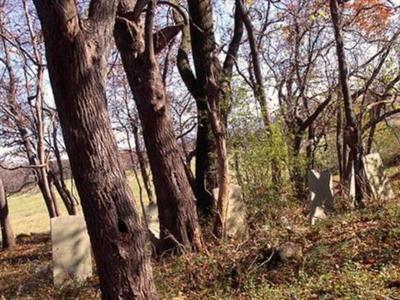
(236,223)
(71,249)
(377,178)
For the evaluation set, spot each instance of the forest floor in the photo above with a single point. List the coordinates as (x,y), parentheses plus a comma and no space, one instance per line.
(352,255)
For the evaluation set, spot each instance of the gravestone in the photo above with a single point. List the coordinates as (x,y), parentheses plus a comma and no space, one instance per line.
(377,178)
(152,221)
(236,224)
(321,195)
(71,249)
(352,192)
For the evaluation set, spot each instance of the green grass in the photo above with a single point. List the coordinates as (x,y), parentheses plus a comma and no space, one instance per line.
(28,213)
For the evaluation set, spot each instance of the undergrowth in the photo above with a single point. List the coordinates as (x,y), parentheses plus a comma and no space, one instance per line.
(352,255)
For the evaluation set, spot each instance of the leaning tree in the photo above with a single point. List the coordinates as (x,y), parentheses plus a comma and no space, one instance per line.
(77,51)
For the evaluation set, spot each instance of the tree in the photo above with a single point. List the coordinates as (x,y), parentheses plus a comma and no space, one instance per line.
(138,47)
(205,151)
(352,136)
(77,51)
(28,129)
(211,84)
(7,234)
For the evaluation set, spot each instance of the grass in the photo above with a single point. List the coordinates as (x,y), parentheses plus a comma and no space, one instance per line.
(28,211)
(352,255)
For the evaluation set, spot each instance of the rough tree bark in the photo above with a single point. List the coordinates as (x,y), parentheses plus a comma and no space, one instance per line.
(205,152)
(352,132)
(7,234)
(175,199)
(213,80)
(77,52)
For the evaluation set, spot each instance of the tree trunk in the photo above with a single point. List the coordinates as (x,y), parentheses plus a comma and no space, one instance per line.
(175,199)
(205,173)
(223,173)
(58,179)
(352,133)
(142,164)
(338,144)
(7,234)
(258,84)
(212,82)
(311,148)
(206,158)
(44,186)
(297,175)
(77,52)
(21,123)
(65,195)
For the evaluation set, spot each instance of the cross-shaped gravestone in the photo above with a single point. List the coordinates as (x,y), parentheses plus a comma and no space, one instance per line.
(321,195)
(236,221)
(377,178)
(71,249)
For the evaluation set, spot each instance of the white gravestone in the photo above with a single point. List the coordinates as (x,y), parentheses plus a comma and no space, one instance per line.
(71,249)
(236,222)
(321,195)
(377,178)
(152,221)
(352,193)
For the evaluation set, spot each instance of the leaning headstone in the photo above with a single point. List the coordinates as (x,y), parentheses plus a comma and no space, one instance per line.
(377,178)
(236,222)
(321,195)
(152,221)
(71,249)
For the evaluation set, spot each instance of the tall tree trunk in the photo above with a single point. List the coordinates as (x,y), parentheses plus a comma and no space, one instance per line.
(258,84)
(175,199)
(311,148)
(45,189)
(352,133)
(135,173)
(218,129)
(77,52)
(58,179)
(7,234)
(212,82)
(297,175)
(206,158)
(142,164)
(339,144)
(205,173)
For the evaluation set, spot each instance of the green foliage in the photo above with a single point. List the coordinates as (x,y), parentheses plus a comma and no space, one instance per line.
(261,166)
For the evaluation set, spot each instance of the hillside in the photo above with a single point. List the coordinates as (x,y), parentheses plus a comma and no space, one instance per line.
(353,255)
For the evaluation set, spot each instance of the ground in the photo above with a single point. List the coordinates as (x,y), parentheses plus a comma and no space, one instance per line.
(353,255)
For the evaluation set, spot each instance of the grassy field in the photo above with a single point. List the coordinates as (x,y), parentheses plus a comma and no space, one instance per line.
(28,212)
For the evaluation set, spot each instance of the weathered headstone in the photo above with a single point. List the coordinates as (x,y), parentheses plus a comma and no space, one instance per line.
(352,192)
(152,221)
(377,178)
(321,195)
(236,224)
(71,249)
